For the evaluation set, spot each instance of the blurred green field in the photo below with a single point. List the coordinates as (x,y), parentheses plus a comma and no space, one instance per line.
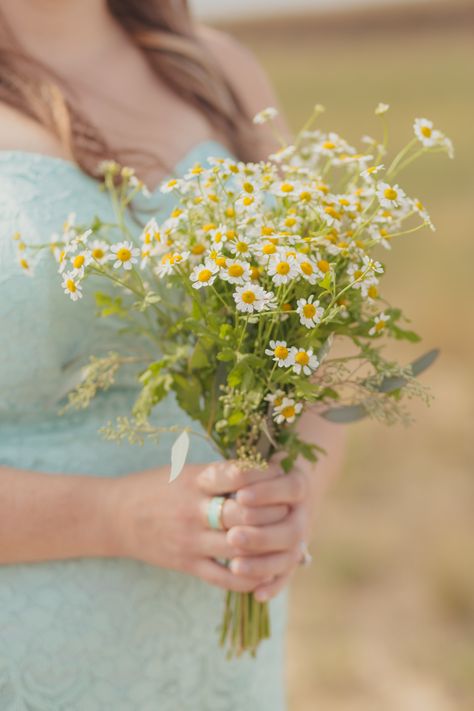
(384,618)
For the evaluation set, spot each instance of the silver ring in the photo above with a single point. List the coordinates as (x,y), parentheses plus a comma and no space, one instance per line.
(306,558)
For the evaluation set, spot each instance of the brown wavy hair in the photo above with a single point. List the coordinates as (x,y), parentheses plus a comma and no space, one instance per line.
(165,33)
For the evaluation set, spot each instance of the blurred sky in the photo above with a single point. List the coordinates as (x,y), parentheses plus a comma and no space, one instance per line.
(216,9)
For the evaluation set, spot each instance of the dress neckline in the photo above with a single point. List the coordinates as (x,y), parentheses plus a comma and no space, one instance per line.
(180,167)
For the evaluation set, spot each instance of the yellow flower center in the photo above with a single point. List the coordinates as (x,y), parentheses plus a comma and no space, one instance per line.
(288,412)
(329,145)
(241,247)
(177,212)
(309,310)
(372,291)
(281,352)
(71,286)
(286,307)
(78,261)
(98,253)
(198,248)
(248,187)
(230,212)
(124,254)
(230,234)
(329,210)
(305,196)
(306,268)
(390,194)
(254,272)
(24,264)
(235,270)
(302,358)
(287,188)
(268,248)
(247,200)
(358,273)
(282,268)
(248,297)
(204,275)
(265,231)
(380,325)
(290,221)
(220,261)
(323,265)
(210,226)
(426,131)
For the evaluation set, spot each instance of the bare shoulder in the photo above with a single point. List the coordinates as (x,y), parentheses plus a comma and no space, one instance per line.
(19,132)
(245,73)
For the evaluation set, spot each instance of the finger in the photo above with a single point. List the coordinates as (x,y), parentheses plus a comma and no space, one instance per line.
(224,477)
(214,544)
(233,514)
(268,539)
(222,577)
(288,489)
(268,590)
(266,566)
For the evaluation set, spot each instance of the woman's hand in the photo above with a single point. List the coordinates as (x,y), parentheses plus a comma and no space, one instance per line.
(273,550)
(165,523)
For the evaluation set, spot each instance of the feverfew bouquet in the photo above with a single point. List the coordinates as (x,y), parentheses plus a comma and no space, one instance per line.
(242,291)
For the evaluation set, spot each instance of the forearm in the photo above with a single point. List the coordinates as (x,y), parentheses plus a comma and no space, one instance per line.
(52,517)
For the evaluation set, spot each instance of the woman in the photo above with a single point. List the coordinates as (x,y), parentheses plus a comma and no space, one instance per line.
(110,580)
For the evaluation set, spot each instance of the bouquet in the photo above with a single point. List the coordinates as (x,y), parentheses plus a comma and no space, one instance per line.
(243,291)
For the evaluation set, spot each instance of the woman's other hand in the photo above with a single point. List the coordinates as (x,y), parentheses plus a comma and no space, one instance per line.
(165,523)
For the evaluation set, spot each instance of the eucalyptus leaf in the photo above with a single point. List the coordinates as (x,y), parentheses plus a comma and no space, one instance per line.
(179,452)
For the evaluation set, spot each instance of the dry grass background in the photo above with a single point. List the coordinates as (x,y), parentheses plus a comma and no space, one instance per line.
(384,618)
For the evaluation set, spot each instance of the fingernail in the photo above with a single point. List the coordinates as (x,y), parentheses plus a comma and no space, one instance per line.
(237,538)
(239,566)
(245,497)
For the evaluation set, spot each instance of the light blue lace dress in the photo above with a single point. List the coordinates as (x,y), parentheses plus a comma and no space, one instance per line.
(97,634)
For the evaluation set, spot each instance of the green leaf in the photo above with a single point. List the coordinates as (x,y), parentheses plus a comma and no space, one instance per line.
(198,358)
(326,282)
(236,418)
(110,306)
(226,354)
(179,452)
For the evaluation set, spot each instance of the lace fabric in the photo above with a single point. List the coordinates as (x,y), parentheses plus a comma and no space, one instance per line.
(106,634)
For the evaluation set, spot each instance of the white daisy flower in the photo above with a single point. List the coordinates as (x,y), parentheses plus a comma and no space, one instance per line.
(72,286)
(151,232)
(240,245)
(302,360)
(265,115)
(308,269)
(423,213)
(381,109)
(25,264)
(279,351)
(252,297)
(391,196)
(282,154)
(79,262)
(282,268)
(169,261)
(430,137)
(310,312)
(235,271)
(275,398)
(99,251)
(204,274)
(287,411)
(380,322)
(125,255)
(170,185)
(372,170)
